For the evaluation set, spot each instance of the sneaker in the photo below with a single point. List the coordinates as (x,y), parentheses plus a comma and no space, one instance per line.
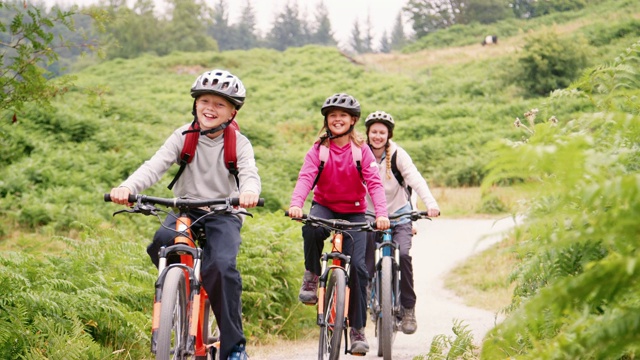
(309,289)
(409,323)
(359,343)
(238,353)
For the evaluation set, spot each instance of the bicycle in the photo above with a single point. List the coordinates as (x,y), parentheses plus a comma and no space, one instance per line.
(183,324)
(333,286)
(384,299)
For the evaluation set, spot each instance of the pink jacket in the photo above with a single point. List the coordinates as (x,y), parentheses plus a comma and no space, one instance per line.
(340,187)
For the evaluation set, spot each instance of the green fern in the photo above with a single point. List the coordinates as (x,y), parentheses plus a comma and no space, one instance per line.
(576,293)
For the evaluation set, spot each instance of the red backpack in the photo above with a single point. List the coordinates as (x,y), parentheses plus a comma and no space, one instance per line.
(191,142)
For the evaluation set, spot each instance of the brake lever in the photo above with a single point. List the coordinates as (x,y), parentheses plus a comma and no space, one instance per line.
(228,209)
(123,211)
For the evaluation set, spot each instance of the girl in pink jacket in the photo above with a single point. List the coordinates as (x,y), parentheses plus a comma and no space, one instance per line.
(339,192)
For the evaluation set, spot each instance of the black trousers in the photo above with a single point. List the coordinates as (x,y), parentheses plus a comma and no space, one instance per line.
(220,277)
(402,236)
(354,245)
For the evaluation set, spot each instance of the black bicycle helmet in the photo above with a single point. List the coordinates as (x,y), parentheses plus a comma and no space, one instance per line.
(342,101)
(381,117)
(220,82)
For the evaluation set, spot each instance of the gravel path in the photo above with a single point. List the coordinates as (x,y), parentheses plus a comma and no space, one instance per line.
(437,248)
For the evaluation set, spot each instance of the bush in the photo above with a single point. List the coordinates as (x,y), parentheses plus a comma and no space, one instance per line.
(549,62)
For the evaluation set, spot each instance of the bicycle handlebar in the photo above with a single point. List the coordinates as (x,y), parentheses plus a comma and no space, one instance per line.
(182,203)
(336,224)
(413,215)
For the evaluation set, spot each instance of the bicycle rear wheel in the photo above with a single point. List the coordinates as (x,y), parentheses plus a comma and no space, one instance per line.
(334,303)
(386,330)
(174,325)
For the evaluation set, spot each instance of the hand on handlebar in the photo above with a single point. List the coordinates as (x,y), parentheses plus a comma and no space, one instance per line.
(120,195)
(295,212)
(435,212)
(249,200)
(382,223)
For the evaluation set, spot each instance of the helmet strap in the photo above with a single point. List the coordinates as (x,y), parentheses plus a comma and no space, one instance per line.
(219,127)
(331,136)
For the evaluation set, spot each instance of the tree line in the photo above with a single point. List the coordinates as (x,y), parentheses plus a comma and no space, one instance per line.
(194,25)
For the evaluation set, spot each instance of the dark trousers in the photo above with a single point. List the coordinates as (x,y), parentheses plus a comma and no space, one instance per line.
(402,236)
(220,277)
(354,245)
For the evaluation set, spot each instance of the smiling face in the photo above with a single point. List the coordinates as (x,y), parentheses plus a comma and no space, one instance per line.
(213,110)
(339,121)
(378,135)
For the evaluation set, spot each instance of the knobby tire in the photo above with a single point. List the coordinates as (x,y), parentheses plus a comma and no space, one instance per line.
(377,280)
(331,333)
(174,325)
(386,333)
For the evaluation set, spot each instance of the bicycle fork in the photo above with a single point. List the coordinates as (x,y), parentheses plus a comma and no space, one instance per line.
(388,248)
(338,258)
(190,263)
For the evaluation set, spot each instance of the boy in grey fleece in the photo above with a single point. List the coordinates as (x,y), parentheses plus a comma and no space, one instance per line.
(218,95)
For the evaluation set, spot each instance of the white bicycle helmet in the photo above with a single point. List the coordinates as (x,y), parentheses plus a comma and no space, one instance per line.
(342,101)
(381,117)
(220,82)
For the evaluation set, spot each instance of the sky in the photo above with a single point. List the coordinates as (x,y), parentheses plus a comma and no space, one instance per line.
(342,13)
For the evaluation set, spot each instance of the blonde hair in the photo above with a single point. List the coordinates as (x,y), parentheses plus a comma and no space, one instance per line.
(388,159)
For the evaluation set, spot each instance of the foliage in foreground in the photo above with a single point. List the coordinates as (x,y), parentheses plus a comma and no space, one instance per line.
(94,301)
(577,294)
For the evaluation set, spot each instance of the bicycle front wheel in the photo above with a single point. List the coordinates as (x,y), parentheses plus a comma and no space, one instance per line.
(173,329)
(386,328)
(334,317)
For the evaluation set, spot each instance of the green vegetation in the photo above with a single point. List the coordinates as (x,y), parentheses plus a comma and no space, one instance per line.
(576,293)
(73,276)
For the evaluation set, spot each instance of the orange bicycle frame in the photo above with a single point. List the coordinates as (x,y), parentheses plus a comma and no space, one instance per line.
(197,299)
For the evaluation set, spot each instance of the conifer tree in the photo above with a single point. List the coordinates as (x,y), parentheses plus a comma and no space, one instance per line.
(356,41)
(323,34)
(287,30)
(220,28)
(246,29)
(385,43)
(398,37)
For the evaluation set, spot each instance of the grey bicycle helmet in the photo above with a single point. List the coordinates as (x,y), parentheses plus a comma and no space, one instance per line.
(381,117)
(342,101)
(220,82)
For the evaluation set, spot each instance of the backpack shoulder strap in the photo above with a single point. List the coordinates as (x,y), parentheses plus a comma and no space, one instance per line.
(394,168)
(324,156)
(188,150)
(356,153)
(230,150)
(398,175)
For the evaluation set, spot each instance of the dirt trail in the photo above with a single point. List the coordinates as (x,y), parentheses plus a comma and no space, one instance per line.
(439,246)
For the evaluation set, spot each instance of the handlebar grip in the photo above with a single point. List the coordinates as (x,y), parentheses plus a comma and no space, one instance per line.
(286,213)
(107,198)
(236,202)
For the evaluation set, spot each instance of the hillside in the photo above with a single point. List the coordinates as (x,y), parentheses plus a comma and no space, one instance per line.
(454,106)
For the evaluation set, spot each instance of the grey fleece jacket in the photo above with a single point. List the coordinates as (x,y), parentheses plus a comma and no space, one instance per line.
(205,177)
